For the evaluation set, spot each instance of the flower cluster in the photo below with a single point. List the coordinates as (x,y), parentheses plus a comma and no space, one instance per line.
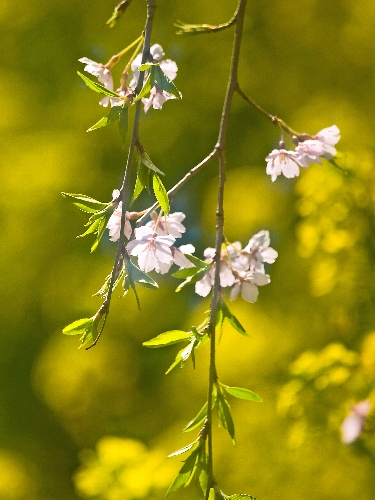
(157,96)
(353,425)
(280,161)
(240,268)
(153,243)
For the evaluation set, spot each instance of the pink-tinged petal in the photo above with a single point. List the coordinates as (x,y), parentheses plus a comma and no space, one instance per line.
(351,428)
(135,247)
(128,229)
(260,279)
(203,287)
(249,291)
(147,260)
(115,194)
(143,232)
(170,68)
(362,408)
(329,136)
(165,240)
(226,276)
(187,249)
(163,254)
(157,52)
(163,268)
(269,255)
(209,253)
(180,260)
(235,291)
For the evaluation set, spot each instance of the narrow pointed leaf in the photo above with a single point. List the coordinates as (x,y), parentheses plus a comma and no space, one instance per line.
(147,86)
(84,202)
(160,193)
(240,393)
(97,87)
(225,417)
(212,494)
(146,66)
(92,229)
(168,338)
(186,472)
(78,327)
(100,231)
(182,450)
(140,277)
(146,160)
(196,422)
(232,320)
(163,82)
(193,279)
(108,119)
(240,496)
(197,262)
(186,272)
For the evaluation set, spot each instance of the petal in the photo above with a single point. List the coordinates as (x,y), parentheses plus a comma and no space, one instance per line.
(235,291)
(249,291)
(351,428)
(147,260)
(269,255)
(203,287)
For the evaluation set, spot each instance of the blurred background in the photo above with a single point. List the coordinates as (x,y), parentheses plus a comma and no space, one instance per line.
(99,423)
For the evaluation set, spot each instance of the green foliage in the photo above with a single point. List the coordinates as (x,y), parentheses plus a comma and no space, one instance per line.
(85,203)
(192,274)
(157,77)
(118,12)
(97,87)
(160,193)
(186,472)
(240,393)
(87,328)
(224,414)
(240,496)
(168,338)
(223,313)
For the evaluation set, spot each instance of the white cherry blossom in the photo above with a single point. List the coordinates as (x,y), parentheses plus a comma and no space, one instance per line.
(311,150)
(157,98)
(114,224)
(168,224)
(281,161)
(329,136)
(352,426)
(103,75)
(247,284)
(258,251)
(153,251)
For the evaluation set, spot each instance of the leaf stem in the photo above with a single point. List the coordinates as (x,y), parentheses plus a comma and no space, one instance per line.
(121,251)
(220,148)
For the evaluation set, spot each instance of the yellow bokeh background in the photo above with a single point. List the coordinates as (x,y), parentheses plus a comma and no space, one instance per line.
(99,424)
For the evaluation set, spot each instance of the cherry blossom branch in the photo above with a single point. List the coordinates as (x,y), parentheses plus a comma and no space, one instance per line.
(196,29)
(274,119)
(220,147)
(120,252)
(180,183)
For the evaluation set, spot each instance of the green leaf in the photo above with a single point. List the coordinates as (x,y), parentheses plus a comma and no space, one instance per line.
(225,417)
(107,120)
(147,86)
(168,338)
(146,66)
(197,262)
(186,272)
(85,203)
(240,393)
(240,496)
(186,472)
(139,276)
(146,160)
(97,87)
(202,469)
(232,320)
(99,232)
(196,422)
(160,193)
(182,450)
(196,277)
(160,79)
(123,122)
(78,327)
(212,494)
(182,356)
(91,229)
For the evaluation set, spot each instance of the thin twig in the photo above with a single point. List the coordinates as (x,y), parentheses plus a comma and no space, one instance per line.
(274,119)
(180,183)
(220,146)
(151,6)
